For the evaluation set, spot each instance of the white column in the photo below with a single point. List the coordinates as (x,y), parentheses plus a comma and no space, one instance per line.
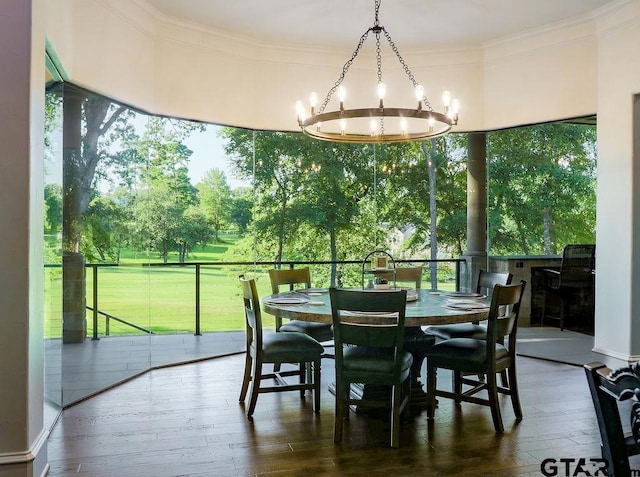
(617,321)
(22,46)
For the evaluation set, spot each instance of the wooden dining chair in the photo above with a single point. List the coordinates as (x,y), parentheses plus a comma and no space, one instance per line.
(295,348)
(369,350)
(404,275)
(291,277)
(485,357)
(485,282)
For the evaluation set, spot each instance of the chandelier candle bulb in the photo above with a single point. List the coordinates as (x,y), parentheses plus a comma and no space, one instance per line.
(313,101)
(342,95)
(419,95)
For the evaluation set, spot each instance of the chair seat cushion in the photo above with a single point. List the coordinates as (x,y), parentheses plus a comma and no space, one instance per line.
(458,330)
(463,354)
(290,347)
(318,331)
(370,362)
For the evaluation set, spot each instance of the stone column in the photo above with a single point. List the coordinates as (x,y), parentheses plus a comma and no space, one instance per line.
(74,323)
(476,254)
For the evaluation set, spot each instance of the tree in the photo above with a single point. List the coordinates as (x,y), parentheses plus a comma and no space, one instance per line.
(105,229)
(53,208)
(304,187)
(541,188)
(215,199)
(240,211)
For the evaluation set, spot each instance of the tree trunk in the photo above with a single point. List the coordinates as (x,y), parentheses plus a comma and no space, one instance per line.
(546,221)
(430,157)
(334,256)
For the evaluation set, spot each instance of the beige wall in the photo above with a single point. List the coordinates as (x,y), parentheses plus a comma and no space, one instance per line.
(174,69)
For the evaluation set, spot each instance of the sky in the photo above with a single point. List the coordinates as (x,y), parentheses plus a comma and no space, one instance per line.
(208,153)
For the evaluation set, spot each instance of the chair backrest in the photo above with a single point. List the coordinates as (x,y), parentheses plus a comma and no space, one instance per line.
(291,277)
(578,263)
(608,388)
(252,312)
(503,316)
(368,318)
(485,281)
(410,275)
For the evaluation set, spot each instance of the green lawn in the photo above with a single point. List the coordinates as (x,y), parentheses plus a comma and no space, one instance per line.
(162,299)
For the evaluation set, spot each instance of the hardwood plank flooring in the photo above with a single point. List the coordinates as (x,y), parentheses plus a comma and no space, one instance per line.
(186,421)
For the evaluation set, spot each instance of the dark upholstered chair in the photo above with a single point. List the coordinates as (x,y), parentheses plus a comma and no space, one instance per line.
(369,350)
(276,348)
(574,279)
(608,388)
(483,357)
(291,277)
(485,281)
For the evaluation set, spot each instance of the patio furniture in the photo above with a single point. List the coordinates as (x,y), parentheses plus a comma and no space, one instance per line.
(575,279)
(276,348)
(369,338)
(482,357)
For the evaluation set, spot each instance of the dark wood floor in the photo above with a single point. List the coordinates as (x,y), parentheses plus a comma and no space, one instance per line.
(186,421)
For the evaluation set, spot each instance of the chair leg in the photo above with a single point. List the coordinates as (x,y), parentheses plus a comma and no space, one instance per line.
(247,376)
(562,300)
(457,385)
(339,414)
(494,403)
(256,379)
(316,386)
(431,390)
(544,308)
(302,376)
(396,400)
(506,382)
(513,391)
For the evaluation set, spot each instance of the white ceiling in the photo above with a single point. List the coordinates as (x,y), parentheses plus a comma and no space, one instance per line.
(340,23)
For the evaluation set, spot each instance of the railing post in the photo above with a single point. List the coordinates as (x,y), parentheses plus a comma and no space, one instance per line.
(198,300)
(95,302)
(458,275)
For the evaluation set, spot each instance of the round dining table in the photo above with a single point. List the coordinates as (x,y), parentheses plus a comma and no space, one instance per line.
(429,307)
(424,307)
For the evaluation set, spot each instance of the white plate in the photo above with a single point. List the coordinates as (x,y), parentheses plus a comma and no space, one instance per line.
(467,306)
(412,297)
(287,300)
(463,295)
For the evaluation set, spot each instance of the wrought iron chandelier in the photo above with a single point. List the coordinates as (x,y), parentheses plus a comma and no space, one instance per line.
(378,124)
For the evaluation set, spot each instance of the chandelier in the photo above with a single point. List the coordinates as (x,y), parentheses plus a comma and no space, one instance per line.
(379,124)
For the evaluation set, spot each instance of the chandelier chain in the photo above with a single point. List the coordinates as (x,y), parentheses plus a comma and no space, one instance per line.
(408,72)
(345,70)
(379,61)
